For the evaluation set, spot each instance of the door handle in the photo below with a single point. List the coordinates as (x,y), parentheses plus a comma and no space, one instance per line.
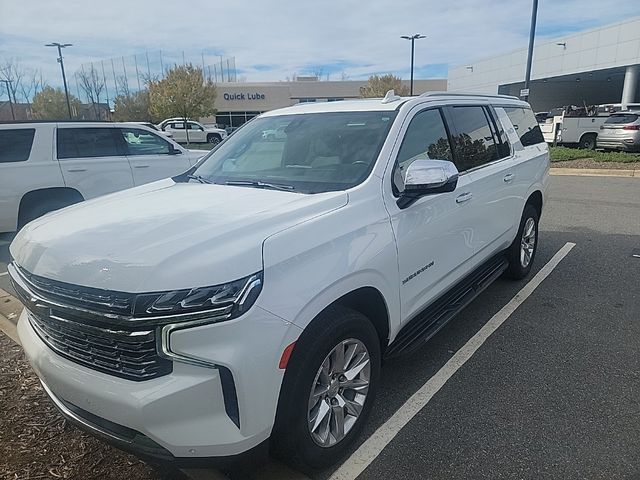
(141,166)
(509,177)
(76,169)
(464,197)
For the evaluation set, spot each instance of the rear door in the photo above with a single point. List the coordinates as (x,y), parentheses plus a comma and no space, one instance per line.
(151,157)
(481,152)
(178,131)
(92,159)
(197,133)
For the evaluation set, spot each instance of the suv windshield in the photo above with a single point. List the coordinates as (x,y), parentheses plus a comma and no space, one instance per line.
(308,153)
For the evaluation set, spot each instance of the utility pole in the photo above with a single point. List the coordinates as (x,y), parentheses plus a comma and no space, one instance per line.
(60,46)
(413,39)
(532,37)
(7,83)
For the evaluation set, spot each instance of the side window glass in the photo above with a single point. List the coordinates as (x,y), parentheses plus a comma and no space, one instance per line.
(504,148)
(473,142)
(425,138)
(527,128)
(15,145)
(86,142)
(142,142)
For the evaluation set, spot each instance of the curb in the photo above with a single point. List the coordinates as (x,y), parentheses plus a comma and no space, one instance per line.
(594,172)
(10,309)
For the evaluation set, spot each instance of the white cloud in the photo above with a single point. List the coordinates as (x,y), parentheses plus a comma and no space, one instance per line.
(290,35)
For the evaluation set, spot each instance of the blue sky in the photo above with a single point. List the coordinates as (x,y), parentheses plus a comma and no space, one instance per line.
(278,39)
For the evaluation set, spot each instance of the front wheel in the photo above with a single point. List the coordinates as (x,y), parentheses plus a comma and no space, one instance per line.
(213,140)
(523,249)
(588,141)
(328,390)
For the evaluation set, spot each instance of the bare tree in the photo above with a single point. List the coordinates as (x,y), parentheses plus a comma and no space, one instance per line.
(32,84)
(12,71)
(92,84)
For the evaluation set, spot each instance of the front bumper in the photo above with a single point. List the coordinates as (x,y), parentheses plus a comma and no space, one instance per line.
(182,414)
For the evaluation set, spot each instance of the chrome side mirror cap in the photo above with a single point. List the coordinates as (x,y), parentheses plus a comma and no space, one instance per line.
(426,177)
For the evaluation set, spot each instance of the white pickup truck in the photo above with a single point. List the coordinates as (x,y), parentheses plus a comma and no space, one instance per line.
(46,166)
(572,131)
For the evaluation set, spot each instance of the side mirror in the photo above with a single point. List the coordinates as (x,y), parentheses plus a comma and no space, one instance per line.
(426,177)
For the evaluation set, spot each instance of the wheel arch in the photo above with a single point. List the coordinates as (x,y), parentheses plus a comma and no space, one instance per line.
(46,194)
(536,200)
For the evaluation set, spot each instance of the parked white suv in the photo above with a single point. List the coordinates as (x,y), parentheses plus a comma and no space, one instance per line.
(254,297)
(197,132)
(46,166)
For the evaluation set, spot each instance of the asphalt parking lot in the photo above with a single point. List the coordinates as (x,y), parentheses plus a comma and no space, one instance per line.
(554,392)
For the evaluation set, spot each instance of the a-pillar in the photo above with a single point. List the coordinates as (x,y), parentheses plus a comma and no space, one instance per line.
(630,85)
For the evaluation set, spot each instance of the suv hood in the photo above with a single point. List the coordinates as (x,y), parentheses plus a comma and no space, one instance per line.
(163,235)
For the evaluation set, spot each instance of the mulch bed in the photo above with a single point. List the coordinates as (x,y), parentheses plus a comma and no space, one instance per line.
(590,163)
(37,443)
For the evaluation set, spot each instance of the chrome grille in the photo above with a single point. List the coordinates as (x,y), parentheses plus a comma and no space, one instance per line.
(82,325)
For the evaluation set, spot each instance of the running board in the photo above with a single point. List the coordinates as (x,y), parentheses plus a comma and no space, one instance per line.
(428,322)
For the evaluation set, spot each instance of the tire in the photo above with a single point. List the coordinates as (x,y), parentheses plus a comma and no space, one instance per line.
(294,439)
(588,141)
(36,210)
(213,139)
(521,257)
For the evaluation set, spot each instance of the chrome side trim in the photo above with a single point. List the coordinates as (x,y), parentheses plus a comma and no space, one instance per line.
(76,418)
(165,343)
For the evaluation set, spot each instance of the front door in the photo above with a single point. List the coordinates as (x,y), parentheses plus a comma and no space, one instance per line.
(432,234)
(151,156)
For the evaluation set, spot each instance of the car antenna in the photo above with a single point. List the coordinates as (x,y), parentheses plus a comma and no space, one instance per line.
(391,97)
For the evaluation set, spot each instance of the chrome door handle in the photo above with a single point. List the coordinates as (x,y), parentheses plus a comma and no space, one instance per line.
(464,197)
(76,169)
(141,166)
(509,177)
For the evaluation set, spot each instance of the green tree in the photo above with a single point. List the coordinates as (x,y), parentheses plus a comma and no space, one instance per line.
(132,107)
(379,85)
(51,104)
(183,92)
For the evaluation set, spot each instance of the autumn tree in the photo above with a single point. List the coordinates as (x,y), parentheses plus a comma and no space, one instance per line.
(378,85)
(132,107)
(183,92)
(51,104)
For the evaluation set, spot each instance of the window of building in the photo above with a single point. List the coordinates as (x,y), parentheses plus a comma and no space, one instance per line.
(334,99)
(307,100)
(142,142)
(87,142)
(426,138)
(474,143)
(527,128)
(15,145)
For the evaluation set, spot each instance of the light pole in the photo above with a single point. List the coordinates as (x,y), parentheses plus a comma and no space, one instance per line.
(8,83)
(413,39)
(60,46)
(532,36)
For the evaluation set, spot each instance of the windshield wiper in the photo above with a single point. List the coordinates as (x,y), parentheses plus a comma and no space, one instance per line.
(199,178)
(258,184)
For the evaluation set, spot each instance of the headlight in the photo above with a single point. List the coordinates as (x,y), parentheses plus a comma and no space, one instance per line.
(227,301)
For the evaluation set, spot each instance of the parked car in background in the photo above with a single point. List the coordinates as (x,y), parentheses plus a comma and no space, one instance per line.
(153,127)
(46,166)
(621,131)
(197,132)
(253,298)
(573,127)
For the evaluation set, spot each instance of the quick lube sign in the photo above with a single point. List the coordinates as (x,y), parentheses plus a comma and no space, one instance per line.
(230,97)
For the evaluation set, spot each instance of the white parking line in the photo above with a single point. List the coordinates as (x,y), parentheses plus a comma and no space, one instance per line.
(3,274)
(373,446)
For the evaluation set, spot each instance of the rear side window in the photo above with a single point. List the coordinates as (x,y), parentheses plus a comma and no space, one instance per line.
(15,145)
(621,119)
(474,143)
(87,142)
(526,125)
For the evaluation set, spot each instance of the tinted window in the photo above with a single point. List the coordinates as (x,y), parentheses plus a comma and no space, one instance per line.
(15,145)
(87,142)
(426,138)
(142,142)
(177,126)
(473,142)
(195,126)
(526,125)
(621,119)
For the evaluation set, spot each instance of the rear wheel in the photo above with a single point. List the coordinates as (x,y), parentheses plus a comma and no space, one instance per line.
(522,251)
(213,139)
(588,141)
(328,390)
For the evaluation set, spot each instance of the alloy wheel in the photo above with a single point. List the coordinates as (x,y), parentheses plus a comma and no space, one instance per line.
(528,242)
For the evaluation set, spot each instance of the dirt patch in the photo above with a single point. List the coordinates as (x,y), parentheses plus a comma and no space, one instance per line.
(590,163)
(37,443)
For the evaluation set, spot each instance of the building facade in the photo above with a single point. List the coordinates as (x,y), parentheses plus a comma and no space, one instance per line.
(237,103)
(596,66)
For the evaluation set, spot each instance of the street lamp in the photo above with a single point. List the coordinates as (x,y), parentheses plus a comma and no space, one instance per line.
(60,46)
(413,39)
(8,83)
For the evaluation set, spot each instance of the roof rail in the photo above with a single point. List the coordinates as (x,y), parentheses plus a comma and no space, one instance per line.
(462,94)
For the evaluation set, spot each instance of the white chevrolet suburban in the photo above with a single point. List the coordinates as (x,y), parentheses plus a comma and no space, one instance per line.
(46,166)
(251,300)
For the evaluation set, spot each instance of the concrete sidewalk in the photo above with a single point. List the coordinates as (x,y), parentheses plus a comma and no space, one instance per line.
(596,172)
(10,309)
